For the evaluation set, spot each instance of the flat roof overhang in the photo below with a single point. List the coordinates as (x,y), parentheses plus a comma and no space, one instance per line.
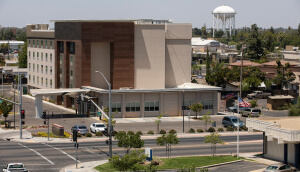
(56,92)
(99,90)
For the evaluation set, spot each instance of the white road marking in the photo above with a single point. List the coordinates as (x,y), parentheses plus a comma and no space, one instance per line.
(38,154)
(62,152)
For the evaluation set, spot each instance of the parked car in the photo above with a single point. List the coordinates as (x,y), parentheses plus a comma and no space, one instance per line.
(258,94)
(96,127)
(229,96)
(232,121)
(279,167)
(254,112)
(82,129)
(235,108)
(15,167)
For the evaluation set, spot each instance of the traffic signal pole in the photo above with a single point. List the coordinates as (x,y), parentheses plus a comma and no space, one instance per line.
(20,106)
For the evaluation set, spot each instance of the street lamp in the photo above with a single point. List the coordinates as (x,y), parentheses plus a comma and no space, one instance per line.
(110,126)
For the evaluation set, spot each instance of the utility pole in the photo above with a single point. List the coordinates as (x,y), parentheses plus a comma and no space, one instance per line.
(20,80)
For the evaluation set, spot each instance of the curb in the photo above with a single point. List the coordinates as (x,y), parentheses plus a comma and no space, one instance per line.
(215,165)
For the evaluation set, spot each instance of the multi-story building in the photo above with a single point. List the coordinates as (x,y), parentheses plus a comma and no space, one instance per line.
(40,56)
(147,62)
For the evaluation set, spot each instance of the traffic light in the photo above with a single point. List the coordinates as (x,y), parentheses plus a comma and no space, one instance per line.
(44,114)
(74,135)
(78,99)
(23,122)
(23,114)
(89,104)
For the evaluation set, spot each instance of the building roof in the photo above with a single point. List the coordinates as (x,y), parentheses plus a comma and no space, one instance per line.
(138,21)
(224,9)
(274,64)
(198,41)
(245,63)
(52,92)
(11,42)
(277,97)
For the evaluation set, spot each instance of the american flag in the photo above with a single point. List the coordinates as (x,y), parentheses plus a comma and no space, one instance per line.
(243,103)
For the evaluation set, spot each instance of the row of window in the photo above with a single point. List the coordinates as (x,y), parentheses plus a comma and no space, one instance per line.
(38,70)
(151,106)
(37,56)
(39,43)
(42,81)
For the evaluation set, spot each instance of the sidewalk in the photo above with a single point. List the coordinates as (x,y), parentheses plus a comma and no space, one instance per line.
(83,167)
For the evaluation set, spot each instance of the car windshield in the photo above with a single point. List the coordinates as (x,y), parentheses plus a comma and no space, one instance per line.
(16,166)
(235,120)
(100,125)
(256,110)
(272,167)
(82,127)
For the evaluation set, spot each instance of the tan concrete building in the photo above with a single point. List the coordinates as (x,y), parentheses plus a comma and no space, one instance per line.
(281,137)
(147,62)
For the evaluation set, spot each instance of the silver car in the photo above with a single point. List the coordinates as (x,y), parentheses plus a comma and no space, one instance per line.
(280,167)
(253,112)
(82,129)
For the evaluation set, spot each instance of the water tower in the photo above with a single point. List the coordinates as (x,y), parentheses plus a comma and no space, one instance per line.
(224,19)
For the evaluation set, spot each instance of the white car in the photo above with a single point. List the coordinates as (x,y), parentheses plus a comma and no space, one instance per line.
(15,167)
(96,127)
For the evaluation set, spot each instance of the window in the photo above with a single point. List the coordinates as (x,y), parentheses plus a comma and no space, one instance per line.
(42,67)
(60,70)
(51,57)
(33,43)
(41,56)
(207,104)
(186,105)
(71,85)
(33,67)
(42,81)
(29,78)
(46,82)
(29,54)
(61,57)
(37,80)
(37,56)
(37,44)
(71,72)
(132,106)
(46,44)
(33,55)
(50,70)
(37,68)
(72,47)
(46,56)
(71,58)
(28,42)
(152,106)
(29,66)
(60,84)
(115,106)
(42,44)
(46,69)
(51,44)
(50,83)
(33,79)
(61,47)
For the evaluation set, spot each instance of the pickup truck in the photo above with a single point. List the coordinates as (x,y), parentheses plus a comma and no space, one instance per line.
(13,167)
(258,94)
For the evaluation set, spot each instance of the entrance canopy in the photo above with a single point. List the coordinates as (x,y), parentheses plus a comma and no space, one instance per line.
(39,93)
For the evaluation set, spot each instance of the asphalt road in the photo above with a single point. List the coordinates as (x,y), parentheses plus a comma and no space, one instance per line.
(53,156)
(239,166)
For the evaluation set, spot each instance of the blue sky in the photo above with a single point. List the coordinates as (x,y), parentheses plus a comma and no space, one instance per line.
(265,13)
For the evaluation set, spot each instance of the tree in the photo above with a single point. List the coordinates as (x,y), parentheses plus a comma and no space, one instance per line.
(272,30)
(206,119)
(158,121)
(253,103)
(213,139)
(295,109)
(217,75)
(299,29)
(284,74)
(269,40)
(129,140)
(251,83)
(128,161)
(219,34)
(197,107)
(23,57)
(254,44)
(167,141)
(5,108)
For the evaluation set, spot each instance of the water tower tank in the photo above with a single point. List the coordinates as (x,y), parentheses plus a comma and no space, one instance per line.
(224,18)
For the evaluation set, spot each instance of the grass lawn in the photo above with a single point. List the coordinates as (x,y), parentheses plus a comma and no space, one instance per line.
(181,162)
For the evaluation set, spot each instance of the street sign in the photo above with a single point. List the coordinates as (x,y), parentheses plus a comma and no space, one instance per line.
(99,114)
(0,101)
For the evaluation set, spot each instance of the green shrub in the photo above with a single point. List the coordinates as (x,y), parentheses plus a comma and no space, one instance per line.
(229,129)
(1,122)
(200,130)
(113,133)
(172,131)
(99,133)
(244,128)
(128,161)
(130,132)
(220,129)
(162,132)
(191,130)
(79,135)
(211,129)
(88,134)
(150,132)
(235,129)
(140,133)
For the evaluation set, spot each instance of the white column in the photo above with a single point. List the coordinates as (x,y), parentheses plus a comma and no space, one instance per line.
(230,18)
(161,103)
(142,104)
(213,25)
(38,106)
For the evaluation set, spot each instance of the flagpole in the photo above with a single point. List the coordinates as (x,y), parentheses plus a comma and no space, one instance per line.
(238,129)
